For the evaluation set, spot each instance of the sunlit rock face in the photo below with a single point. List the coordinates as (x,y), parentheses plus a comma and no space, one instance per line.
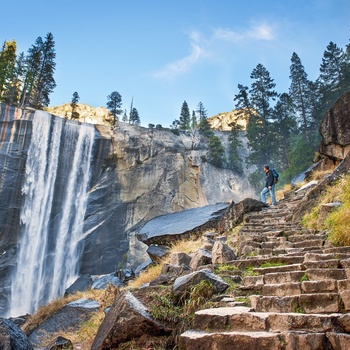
(134,175)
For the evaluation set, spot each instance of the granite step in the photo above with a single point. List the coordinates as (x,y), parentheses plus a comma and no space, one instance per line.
(304,303)
(243,329)
(246,319)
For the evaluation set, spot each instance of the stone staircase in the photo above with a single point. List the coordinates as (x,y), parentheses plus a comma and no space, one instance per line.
(292,290)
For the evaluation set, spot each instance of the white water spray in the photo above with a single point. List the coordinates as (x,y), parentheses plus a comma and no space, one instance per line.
(52,214)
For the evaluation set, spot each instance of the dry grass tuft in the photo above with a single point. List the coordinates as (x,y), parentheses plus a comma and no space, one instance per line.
(146,276)
(153,271)
(315,219)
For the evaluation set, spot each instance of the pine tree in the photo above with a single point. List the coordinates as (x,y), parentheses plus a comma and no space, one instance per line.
(299,92)
(234,161)
(134,117)
(194,120)
(204,125)
(333,80)
(7,66)
(74,105)
(260,137)
(13,86)
(113,105)
(216,154)
(285,129)
(243,104)
(45,82)
(185,117)
(31,72)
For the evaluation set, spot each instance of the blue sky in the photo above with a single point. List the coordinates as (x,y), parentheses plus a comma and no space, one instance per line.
(162,52)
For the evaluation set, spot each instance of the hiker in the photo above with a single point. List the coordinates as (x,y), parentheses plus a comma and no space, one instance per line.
(269,186)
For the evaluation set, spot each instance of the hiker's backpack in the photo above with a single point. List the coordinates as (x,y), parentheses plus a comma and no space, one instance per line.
(275,175)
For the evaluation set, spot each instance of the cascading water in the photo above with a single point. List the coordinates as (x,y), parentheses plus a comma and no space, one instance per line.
(52,214)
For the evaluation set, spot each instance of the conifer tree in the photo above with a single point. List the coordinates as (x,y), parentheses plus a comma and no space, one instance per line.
(299,92)
(45,82)
(185,117)
(31,72)
(260,137)
(285,130)
(74,105)
(234,161)
(12,90)
(216,153)
(194,120)
(333,80)
(7,66)
(204,125)
(114,103)
(134,117)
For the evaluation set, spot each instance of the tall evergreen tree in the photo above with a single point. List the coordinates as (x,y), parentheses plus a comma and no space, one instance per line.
(134,117)
(45,82)
(7,66)
(185,117)
(285,129)
(262,92)
(204,125)
(260,137)
(333,80)
(114,103)
(31,71)
(12,91)
(234,161)
(243,104)
(74,105)
(216,154)
(299,92)
(194,121)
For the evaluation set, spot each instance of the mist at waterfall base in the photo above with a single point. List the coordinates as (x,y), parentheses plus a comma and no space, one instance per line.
(52,212)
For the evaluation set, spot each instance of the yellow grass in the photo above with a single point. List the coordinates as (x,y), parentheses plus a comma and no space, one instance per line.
(153,271)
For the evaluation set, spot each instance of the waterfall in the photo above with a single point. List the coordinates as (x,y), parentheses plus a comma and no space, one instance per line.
(52,212)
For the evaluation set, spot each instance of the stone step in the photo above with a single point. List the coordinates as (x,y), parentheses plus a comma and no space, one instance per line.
(283,277)
(243,264)
(325,274)
(312,256)
(306,236)
(278,269)
(203,340)
(322,286)
(281,289)
(337,250)
(323,264)
(246,319)
(305,303)
(308,243)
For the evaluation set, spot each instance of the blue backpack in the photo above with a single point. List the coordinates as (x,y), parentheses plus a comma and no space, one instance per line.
(275,175)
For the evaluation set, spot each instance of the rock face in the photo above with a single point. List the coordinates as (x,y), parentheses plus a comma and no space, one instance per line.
(127,319)
(136,174)
(12,337)
(163,229)
(335,130)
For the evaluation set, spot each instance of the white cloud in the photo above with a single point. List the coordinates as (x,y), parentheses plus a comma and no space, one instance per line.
(259,32)
(262,32)
(207,47)
(183,65)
